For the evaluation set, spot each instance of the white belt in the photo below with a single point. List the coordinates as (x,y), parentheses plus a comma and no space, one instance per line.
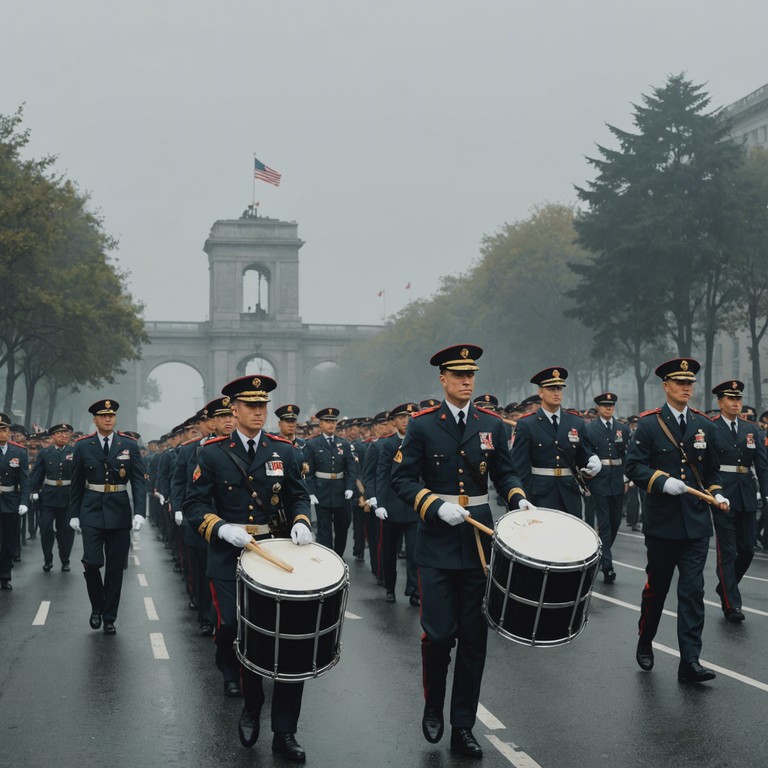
(330,475)
(105,488)
(254,530)
(469,501)
(56,482)
(731,468)
(611,462)
(7,488)
(554,472)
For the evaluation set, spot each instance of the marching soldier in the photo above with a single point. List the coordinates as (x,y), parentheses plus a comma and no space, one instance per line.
(287,420)
(331,474)
(374,526)
(241,487)
(673,450)
(442,471)
(50,480)
(550,451)
(14,497)
(740,451)
(609,439)
(103,464)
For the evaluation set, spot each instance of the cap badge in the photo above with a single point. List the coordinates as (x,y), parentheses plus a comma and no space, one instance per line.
(608,396)
(256,383)
(684,365)
(555,374)
(107,404)
(734,385)
(290,409)
(225,401)
(464,352)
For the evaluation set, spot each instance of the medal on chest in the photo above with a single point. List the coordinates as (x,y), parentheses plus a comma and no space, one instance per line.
(700,440)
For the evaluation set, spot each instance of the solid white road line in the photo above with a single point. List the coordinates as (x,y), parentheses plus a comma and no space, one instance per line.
(158,645)
(149,606)
(516,756)
(490,721)
(142,579)
(42,614)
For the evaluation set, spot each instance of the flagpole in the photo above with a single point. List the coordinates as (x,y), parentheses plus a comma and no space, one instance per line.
(253,174)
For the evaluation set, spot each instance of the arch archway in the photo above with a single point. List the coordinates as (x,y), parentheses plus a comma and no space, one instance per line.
(257,282)
(322,385)
(180,391)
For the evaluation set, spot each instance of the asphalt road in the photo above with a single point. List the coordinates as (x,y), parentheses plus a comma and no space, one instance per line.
(151,695)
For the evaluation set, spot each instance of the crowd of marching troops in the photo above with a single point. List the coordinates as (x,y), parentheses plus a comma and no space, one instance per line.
(400,483)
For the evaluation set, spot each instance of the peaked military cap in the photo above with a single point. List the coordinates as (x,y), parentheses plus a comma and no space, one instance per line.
(130,433)
(404,409)
(528,400)
(328,414)
(288,412)
(60,428)
(460,357)
(104,407)
(679,369)
(607,398)
(730,388)
(488,400)
(550,377)
(430,402)
(633,419)
(19,428)
(381,417)
(177,430)
(250,389)
(5,420)
(218,407)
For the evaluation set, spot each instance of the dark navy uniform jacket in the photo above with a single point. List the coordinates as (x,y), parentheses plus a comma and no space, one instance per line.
(89,466)
(652,458)
(53,464)
(186,461)
(611,446)
(435,460)
(14,473)
(219,493)
(330,460)
(536,444)
(165,470)
(397,510)
(748,452)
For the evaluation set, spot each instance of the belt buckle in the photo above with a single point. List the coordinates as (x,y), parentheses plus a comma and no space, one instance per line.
(59,482)
(110,488)
(252,529)
(741,470)
(333,475)
(463,500)
(558,471)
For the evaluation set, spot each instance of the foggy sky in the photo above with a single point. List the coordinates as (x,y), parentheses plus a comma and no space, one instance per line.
(405,130)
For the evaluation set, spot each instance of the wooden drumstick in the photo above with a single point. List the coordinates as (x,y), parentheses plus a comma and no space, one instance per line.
(484,528)
(706,496)
(254,547)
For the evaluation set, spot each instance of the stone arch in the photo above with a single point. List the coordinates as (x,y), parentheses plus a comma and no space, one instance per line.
(257,362)
(181,394)
(320,384)
(257,290)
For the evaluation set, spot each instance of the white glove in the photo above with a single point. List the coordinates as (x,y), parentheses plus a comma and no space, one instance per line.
(23,509)
(178,517)
(372,502)
(313,499)
(138,521)
(593,466)
(674,487)
(36,496)
(347,495)
(451,513)
(74,524)
(237,537)
(381,513)
(524,504)
(161,499)
(720,499)
(300,534)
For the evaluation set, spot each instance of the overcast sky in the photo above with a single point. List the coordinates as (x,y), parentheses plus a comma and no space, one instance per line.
(405,130)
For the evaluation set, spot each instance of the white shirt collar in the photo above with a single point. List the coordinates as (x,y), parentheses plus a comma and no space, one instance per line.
(244,439)
(677,413)
(730,421)
(550,415)
(454,409)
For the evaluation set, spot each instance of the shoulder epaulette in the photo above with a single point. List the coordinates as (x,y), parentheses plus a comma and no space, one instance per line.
(426,410)
(193,440)
(526,415)
(714,418)
(485,410)
(85,437)
(124,434)
(279,438)
(215,440)
(369,440)
(18,445)
(649,413)
(573,412)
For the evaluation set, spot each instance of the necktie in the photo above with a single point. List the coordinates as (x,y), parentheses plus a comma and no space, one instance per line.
(554,421)
(608,426)
(251,450)
(682,424)
(733,429)
(106,446)
(462,425)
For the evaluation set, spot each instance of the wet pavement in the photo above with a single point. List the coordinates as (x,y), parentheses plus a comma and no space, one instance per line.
(151,695)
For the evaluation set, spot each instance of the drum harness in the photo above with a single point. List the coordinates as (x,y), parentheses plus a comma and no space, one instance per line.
(680,448)
(482,481)
(276,519)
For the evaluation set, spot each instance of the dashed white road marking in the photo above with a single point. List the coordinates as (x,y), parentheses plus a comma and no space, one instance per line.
(624,604)
(754,578)
(42,614)
(142,579)
(488,719)
(149,605)
(158,645)
(513,753)
(135,560)
(350,615)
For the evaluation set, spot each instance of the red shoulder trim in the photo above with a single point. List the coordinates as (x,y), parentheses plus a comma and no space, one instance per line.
(573,412)
(526,415)
(714,418)
(485,410)
(130,437)
(648,413)
(85,437)
(426,410)
(193,440)
(215,440)
(18,445)
(279,438)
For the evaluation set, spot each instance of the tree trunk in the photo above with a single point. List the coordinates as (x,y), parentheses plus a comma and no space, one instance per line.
(53,394)
(10,383)
(637,364)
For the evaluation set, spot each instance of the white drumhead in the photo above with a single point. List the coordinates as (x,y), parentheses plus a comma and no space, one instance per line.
(315,567)
(547,536)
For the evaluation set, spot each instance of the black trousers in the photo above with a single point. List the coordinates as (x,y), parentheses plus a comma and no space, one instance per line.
(332,527)
(9,533)
(451,615)
(358,530)
(608,514)
(736,533)
(373,528)
(201,589)
(54,525)
(689,556)
(286,697)
(393,534)
(632,501)
(105,548)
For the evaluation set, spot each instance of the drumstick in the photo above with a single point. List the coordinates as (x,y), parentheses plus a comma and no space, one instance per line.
(706,496)
(480,526)
(254,547)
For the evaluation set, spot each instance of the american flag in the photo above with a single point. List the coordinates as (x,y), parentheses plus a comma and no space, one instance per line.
(265,173)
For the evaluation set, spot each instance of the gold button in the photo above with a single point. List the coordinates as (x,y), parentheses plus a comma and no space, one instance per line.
(250,478)
(461,471)
(250,507)
(558,458)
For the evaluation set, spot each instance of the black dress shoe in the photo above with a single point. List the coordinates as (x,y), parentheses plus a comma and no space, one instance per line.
(232,689)
(47,566)
(248,727)
(734,615)
(644,655)
(95,620)
(109,628)
(379,582)
(464,743)
(609,576)
(432,724)
(206,630)
(390,598)
(693,672)
(65,566)
(414,600)
(286,745)
(5,585)
(192,605)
